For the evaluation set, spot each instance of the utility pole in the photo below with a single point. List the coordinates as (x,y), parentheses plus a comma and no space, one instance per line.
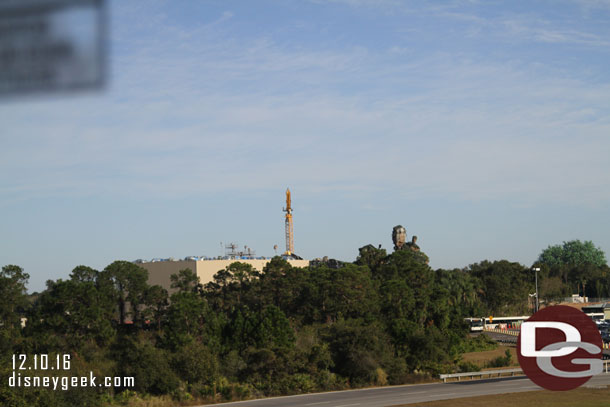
(536,270)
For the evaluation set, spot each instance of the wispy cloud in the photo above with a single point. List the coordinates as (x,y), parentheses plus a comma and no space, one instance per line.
(195,106)
(449,110)
(535,29)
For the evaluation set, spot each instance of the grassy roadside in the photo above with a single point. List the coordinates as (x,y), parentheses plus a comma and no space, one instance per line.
(482,358)
(582,397)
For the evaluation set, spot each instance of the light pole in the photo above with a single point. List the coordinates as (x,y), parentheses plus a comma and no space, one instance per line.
(536,270)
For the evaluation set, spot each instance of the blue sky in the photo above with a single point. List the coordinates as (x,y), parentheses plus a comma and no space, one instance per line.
(483,127)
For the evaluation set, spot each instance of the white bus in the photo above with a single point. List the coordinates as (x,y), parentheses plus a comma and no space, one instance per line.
(476,324)
(596,316)
(479,324)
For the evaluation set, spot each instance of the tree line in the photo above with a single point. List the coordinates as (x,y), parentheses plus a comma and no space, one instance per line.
(384,319)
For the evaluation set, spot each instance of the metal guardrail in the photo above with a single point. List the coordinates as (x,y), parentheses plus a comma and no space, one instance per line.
(505,331)
(498,372)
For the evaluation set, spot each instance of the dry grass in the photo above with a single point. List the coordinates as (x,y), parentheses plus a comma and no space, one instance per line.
(481,358)
(582,397)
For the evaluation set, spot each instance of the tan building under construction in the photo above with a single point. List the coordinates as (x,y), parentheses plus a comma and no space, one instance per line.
(159,272)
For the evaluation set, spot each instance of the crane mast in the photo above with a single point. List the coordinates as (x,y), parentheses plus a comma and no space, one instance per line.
(289,238)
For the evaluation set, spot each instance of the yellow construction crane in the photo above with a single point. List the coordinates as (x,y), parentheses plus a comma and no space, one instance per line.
(289,239)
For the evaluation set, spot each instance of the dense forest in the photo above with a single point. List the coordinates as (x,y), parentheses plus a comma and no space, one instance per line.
(384,319)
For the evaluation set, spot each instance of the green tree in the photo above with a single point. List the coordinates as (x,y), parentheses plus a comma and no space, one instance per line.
(68,314)
(128,284)
(552,288)
(358,350)
(279,284)
(463,290)
(13,305)
(326,294)
(371,256)
(268,328)
(231,285)
(196,363)
(190,318)
(573,253)
(404,268)
(156,304)
(430,350)
(186,280)
(84,274)
(13,295)
(149,366)
(505,286)
(578,264)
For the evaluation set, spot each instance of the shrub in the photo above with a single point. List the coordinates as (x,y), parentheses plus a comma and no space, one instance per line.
(502,361)
(468,367)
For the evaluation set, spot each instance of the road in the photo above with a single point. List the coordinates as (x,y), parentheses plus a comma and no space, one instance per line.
(503,338)
(393,395)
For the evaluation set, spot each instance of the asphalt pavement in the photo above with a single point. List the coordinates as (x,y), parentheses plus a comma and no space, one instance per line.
(408,394)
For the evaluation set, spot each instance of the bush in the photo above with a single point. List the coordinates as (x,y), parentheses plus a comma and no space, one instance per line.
(148,365)
(478,344)
(358,349)
(195,363)
(468,367)
(502,361)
